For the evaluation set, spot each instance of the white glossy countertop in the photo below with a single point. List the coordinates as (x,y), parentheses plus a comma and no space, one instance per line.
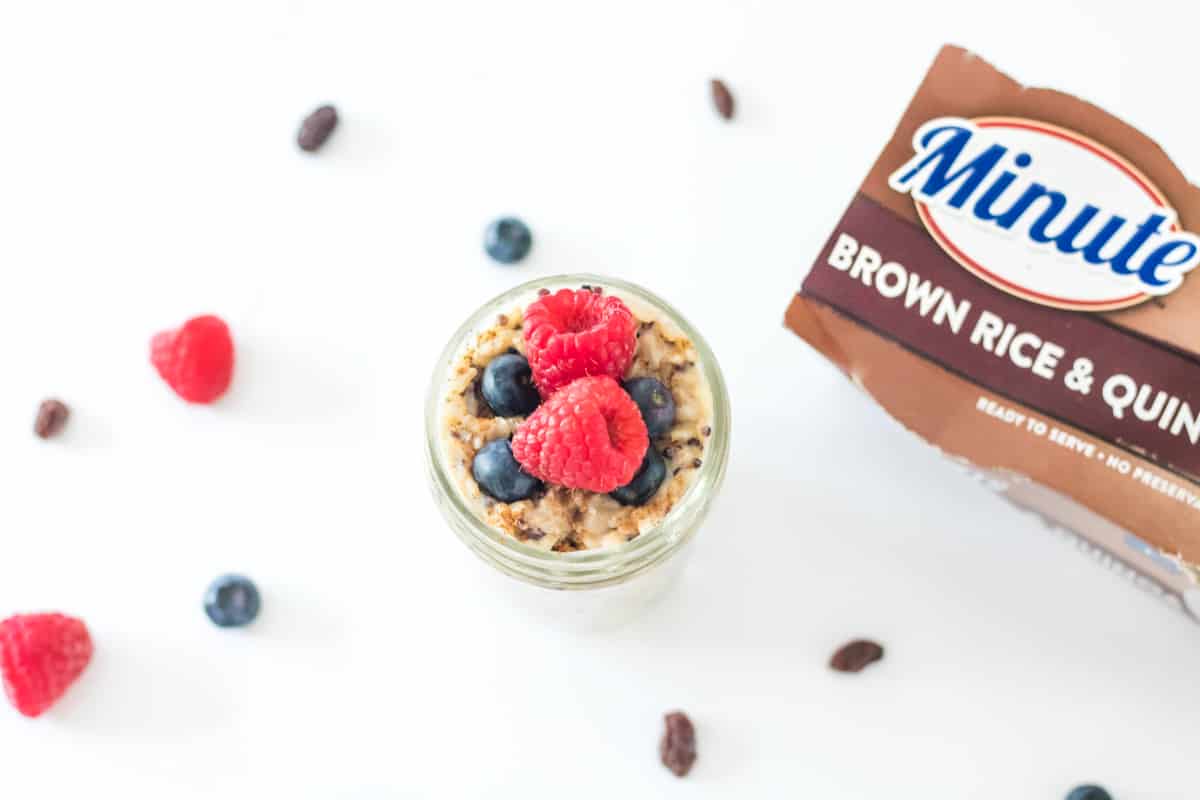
(149,173)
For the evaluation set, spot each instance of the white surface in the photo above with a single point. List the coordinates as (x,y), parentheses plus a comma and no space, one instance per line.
(149,173)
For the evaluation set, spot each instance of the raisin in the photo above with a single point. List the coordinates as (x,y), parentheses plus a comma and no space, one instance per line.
(51,417)
(567,545)
(722,99)
(678,746)
(856,655)
(316,128)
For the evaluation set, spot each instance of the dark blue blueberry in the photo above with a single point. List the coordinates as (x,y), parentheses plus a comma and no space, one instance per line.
(645,483)
(232,601)
(507,386)
(507,240)
(499,474)
(1088,793)
(655,402)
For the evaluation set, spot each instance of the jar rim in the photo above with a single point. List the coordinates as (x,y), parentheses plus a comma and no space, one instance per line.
(580,568)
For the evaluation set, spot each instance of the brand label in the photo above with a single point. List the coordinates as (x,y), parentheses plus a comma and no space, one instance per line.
(1044,213)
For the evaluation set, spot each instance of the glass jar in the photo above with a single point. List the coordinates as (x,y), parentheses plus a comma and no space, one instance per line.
(606,584)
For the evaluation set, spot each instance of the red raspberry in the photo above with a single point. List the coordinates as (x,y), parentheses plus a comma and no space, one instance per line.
(195,360)
(573,334)
(41,655)
(588,435)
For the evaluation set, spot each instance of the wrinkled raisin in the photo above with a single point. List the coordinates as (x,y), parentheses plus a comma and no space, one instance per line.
(722,99)
(678,746)
(316,128)
(51,417)
(856,655)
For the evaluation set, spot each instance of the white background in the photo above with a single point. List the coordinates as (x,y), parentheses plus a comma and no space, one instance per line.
(149,173)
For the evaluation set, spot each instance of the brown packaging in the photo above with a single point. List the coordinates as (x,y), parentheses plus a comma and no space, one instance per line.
(1057,353)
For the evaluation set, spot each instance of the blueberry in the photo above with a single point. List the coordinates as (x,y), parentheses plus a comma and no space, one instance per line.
(499,474)
(507,240)
(645,483)
(232,601)
(507,386)
(1088,793)
(655,402)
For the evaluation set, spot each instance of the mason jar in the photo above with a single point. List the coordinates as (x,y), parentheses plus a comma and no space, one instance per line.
(583,588)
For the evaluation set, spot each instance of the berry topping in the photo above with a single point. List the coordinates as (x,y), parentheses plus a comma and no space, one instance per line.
(645,483)
(51,418)
(232,601)
(507,386)
(41,655)
(1088,793)
(195,360)
(500,476)
(655,402)
(507,240)
(575,334)
(589,435)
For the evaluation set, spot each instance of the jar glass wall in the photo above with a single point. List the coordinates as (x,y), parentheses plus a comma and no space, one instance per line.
(581,569)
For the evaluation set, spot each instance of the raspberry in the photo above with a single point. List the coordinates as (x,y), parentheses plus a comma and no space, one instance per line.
(574,334)
(41,655)
(195,360)
(589,435)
